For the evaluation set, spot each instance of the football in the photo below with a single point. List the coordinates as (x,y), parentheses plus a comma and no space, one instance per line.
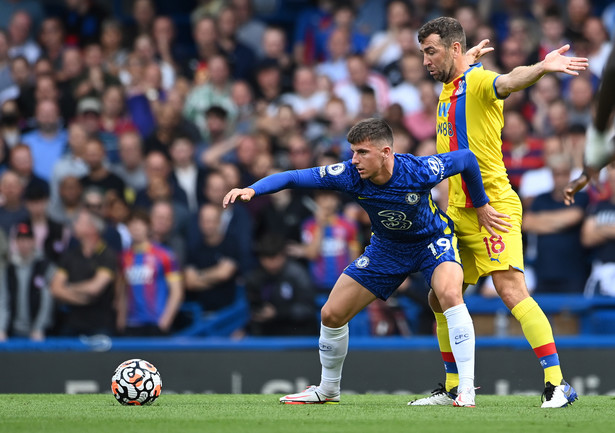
(136,382)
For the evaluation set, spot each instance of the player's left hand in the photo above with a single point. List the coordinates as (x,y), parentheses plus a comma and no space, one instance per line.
(492,220)
(244,194)
(555,61)
(478,51)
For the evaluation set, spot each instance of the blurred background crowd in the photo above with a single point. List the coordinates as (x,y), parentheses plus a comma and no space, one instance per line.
(124,123)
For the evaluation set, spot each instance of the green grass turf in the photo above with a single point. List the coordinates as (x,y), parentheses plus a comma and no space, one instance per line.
(262,413)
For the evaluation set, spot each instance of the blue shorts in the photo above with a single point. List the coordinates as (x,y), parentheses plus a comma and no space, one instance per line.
(385,264)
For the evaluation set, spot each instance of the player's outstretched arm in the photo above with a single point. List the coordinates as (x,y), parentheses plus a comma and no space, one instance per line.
(478,51)
(524,76)
(272,183)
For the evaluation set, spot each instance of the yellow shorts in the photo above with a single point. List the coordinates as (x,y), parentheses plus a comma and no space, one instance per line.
(482,253)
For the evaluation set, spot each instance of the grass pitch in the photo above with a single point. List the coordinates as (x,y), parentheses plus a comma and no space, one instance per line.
(262,413)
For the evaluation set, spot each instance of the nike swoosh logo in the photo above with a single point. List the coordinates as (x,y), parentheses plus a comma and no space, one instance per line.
(459,342)
(362,198)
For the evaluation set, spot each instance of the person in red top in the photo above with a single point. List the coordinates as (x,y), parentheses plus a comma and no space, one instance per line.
(520,151)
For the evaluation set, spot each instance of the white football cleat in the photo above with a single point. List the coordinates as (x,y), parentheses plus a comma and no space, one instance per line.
(439,397)
(558,396)
(312,395)
(465,398)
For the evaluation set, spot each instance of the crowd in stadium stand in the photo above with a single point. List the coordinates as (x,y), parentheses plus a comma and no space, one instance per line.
(121,132)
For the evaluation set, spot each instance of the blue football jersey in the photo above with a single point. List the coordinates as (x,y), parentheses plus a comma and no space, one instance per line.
(402,209)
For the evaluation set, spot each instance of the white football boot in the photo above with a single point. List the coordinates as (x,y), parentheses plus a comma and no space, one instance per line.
(312,395)
(439,397)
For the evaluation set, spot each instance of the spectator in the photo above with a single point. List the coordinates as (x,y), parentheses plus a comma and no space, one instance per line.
(280,293)
(598,233)
(333,137)
(329,241)
(164,232)
(243,98)
(384,47)
(131,166)
(338,46)
(241,57)
(215,92)
(213,263)
(150,287)
(407,93)
(274,48)
(422,123)
(145,49)
(20,32)
(350,90)
(12,210)
(143,15)
(8,89)
(344,19)
(250,30)
(51,37)
(113,120)
(11,124)
(48,140)
(186,174)
(26,305)
(114,56)
(99,175)
(305,99)
(94,201)
(64,209)
(32,7)
(84,281)
(599,45)
(168,119)
(557,228)
(520,151)
(72,162)
(20,161)
(51,237)
(307,26)
(542,94)
(580,99)
(552,28)
(205,35)
(145,94)
(160,184)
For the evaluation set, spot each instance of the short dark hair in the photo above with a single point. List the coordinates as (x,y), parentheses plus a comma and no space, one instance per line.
(449,30)
(216,111)
(139,214)
(374,130)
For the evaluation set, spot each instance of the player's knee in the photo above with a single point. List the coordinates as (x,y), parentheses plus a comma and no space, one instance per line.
(330,318)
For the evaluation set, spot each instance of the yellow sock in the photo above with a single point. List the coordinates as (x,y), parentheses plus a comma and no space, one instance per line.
(452,376)
(538,332)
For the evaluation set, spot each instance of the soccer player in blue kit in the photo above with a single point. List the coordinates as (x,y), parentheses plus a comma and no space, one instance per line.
(409,234)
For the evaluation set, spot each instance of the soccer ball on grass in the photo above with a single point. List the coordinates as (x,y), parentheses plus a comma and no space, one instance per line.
(136,382)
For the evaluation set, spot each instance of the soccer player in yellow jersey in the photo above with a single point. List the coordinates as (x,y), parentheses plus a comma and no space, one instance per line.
(470,117)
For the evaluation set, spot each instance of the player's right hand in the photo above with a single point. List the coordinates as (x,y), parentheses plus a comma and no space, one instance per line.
(244,194)
(576,185)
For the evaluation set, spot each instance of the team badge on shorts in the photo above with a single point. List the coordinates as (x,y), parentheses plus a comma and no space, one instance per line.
(412,198)
(362,262)
(336,169)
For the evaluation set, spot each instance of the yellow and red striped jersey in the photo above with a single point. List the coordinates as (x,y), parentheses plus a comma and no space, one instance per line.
(470,116)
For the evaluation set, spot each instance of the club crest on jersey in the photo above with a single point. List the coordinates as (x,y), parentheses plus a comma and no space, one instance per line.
(436,166)
(461,88)
(412,198)
(362,262)
(336,169)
